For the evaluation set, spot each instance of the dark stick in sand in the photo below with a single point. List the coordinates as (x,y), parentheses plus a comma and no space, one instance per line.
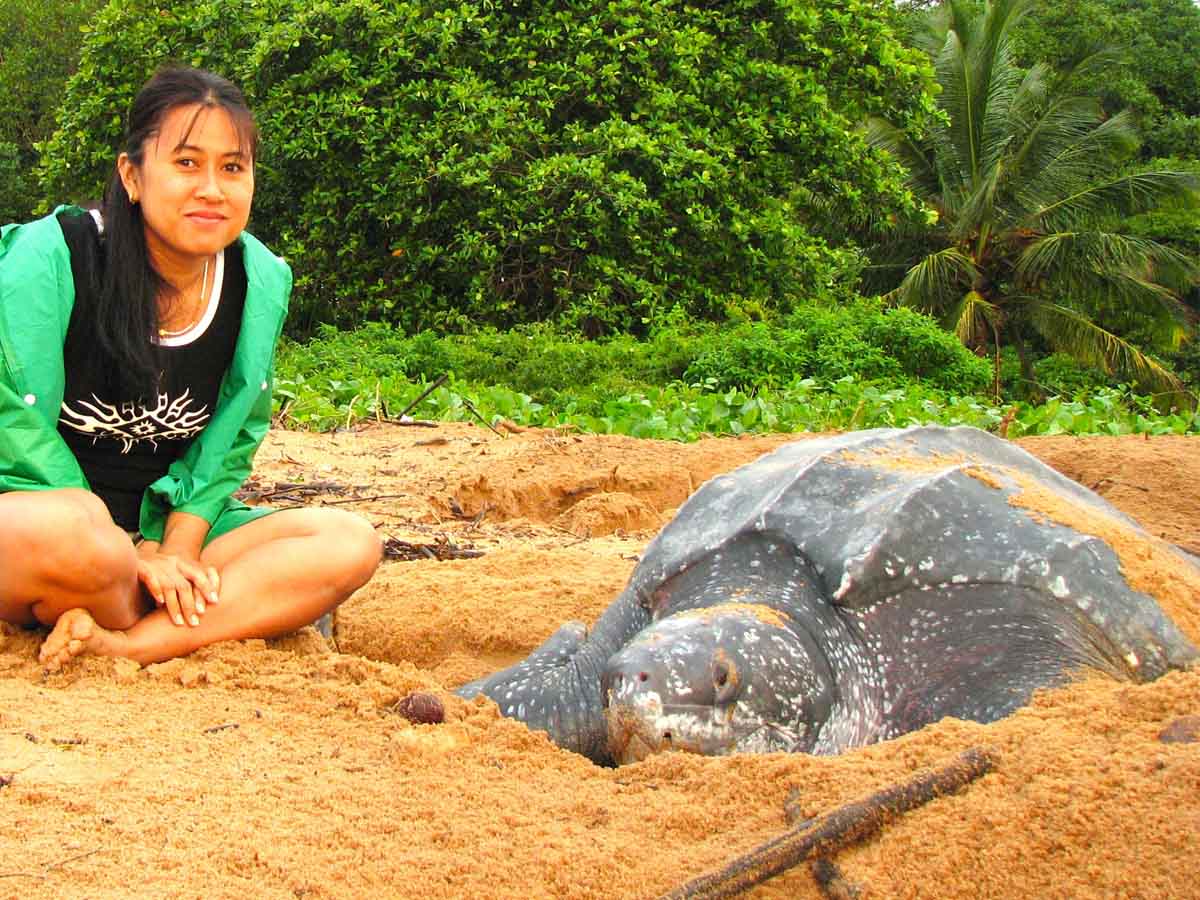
(834,831)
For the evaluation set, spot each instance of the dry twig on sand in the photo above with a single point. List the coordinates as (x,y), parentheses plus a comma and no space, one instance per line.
(834,831)
(394,548)
(53,867)
(832,882)
(296,491)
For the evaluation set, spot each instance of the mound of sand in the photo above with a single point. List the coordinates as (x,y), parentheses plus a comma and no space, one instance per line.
(281,770)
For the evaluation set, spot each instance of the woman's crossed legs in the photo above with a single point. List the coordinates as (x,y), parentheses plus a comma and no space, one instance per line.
(64,563)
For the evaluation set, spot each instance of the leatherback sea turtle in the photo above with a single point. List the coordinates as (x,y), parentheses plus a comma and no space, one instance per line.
(841,591)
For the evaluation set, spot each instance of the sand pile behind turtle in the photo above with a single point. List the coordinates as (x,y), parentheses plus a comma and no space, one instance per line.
(281,771)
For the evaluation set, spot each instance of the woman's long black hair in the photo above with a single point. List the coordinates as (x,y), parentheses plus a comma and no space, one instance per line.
(124,315)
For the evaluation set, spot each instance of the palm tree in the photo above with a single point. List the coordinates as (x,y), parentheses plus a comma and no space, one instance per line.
(1018,181)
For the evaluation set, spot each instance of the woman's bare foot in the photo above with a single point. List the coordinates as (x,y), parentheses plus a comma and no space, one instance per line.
(74,634)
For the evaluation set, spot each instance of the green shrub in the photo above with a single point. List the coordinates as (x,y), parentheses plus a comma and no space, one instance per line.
(340,377)
(447,164)
(1055,375)
(1063,376)
(923,349)
(862,340)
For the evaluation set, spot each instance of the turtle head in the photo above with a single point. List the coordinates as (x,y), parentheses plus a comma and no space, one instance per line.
(731,678)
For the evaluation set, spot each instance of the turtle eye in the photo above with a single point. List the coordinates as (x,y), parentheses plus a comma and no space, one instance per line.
(725,680)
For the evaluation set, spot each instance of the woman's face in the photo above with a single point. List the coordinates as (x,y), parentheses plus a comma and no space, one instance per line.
(195,185)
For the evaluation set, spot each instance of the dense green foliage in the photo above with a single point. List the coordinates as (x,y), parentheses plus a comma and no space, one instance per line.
(1156,39)
(1177,224)
(1022,180)
(894,346)
(16,187)
(39,45)
(632,168)
(343,377)
(861,341)
(432,162)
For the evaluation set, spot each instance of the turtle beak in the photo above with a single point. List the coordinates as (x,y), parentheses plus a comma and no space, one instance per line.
(629,738)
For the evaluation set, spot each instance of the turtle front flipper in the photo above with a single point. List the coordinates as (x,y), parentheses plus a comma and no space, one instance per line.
(556,689)
(554,652)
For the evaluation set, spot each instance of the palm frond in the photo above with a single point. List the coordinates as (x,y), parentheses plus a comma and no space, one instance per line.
(1092,68)
(995,77)
(1088,255)
(1167,317)
(973,319)
(1004,83)
(1074,333)
(934,25)
(958,141)
(1126,196)
(1030,97)
(1077,148)
(977,212)
(933,282)
(1098,271)
(1047,136)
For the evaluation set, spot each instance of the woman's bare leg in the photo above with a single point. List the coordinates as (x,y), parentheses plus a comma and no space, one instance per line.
(59,550)
(277,574)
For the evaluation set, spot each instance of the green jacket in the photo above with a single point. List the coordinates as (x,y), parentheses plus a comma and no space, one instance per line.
(37,292)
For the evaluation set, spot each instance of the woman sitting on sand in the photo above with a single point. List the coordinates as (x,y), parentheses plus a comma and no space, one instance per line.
(136,386)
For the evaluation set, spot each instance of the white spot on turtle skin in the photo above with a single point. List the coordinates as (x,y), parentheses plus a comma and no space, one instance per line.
(1132,659)
(1058,587)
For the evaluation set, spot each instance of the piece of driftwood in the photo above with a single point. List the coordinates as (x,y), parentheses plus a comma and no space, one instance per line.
(824,836)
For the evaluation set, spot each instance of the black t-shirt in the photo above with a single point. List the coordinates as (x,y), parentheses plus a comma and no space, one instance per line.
(124,444)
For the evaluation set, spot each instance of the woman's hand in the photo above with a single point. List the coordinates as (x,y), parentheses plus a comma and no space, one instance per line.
(182,586)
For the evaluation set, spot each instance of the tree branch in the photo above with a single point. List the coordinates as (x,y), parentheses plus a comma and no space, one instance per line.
(836,830)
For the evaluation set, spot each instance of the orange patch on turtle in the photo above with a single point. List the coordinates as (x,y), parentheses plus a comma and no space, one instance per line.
(766,614)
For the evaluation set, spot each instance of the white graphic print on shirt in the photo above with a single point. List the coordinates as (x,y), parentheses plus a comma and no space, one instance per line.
(133,422)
